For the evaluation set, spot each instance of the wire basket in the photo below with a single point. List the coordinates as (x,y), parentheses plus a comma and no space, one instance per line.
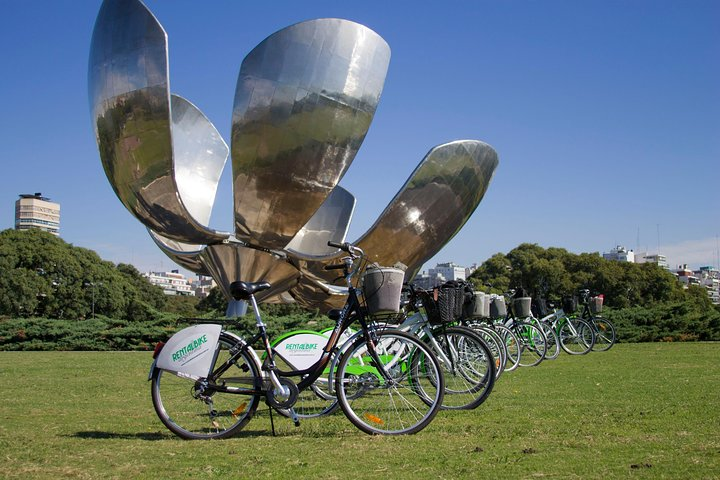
(439,304)
(596,304)
(570,304)
(498,309)
(522,307)
(382,288)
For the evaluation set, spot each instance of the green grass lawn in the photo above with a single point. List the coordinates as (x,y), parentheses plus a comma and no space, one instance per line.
(636,411)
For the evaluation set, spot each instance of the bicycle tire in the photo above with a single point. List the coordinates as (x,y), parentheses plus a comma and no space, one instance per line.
(496,344)
(532,344)
(468,367)
(576,336)
(194,415)
(552,348)
(403,404)
(604,334)
(511,344)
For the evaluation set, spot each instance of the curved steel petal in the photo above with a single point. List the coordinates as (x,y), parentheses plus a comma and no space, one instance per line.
(130,102)
(184,254)
(304,102)
(200,154)
(230,262)
(432,206)
(329,223)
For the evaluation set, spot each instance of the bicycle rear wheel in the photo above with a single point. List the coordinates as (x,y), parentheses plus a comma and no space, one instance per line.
(193,410)
(532,344)
(576,336)
(468,367)
(400,395)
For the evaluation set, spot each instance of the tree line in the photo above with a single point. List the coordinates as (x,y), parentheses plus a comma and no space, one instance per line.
(47,285)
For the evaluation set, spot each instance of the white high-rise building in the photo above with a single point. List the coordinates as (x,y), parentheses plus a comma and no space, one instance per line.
(36,211)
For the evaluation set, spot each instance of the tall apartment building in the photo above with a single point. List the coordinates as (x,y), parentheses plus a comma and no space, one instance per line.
(36,211)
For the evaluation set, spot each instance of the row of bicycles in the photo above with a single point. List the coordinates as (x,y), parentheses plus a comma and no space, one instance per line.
(395,357)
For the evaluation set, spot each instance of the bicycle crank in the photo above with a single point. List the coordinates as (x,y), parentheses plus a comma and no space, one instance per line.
(281,400)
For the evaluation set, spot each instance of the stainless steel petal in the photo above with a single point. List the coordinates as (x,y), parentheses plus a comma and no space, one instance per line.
(329,223)
(130,103)
(184,254)
(304,102)
(200,154)
(230,262)
(433,205)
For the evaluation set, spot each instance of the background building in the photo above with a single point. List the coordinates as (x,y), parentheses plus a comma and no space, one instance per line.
(172,282)
(442,273)
(36,211)
(620,254)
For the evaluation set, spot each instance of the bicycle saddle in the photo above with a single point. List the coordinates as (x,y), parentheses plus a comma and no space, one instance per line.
(242,290)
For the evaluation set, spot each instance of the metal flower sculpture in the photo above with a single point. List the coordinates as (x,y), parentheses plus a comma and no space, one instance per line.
(304,101)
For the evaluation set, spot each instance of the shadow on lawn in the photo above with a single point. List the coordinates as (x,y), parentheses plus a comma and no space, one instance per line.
(150,436)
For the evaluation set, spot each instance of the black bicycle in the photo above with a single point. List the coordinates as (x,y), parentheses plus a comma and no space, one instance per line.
(604,330)
(386,382)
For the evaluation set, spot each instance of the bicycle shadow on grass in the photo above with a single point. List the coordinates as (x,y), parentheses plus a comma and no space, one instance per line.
(147,436)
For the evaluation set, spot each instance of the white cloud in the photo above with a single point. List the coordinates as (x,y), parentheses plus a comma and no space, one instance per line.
(694,253)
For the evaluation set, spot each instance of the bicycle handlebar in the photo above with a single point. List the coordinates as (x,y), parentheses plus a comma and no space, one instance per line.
(347,247)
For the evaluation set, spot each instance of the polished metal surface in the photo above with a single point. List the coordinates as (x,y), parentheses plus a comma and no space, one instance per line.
(200,154)
(433,205)
(304,101)
(131,111)
(329,223)
(184,254)
(229,262)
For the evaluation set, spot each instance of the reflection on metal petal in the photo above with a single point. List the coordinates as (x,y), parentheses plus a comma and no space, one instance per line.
(229,262)
(329,223)
(130,102)
(304,101)
(200,154)
(432,206)
(184,254)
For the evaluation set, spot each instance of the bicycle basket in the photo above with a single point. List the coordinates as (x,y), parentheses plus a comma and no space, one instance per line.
(498,308)
(569,304)
(540,307)
(382,288)
(459,301)
(479,306)
(439,304)
(521,306)
(596,304)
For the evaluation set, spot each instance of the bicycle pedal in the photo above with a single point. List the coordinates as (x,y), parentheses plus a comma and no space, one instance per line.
(294,417)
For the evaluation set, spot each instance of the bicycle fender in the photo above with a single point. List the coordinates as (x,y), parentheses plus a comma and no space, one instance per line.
(189,353)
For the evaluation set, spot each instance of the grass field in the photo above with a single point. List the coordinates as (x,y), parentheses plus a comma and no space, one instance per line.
(636,411)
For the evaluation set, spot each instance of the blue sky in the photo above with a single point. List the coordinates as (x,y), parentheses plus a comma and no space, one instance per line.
(605,116)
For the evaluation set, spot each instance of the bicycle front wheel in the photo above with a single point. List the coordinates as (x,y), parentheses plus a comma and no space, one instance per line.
(604,334)
(397,391)
(576,336)
(193,410)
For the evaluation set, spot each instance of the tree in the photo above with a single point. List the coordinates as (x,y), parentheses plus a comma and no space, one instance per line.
(42,275)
